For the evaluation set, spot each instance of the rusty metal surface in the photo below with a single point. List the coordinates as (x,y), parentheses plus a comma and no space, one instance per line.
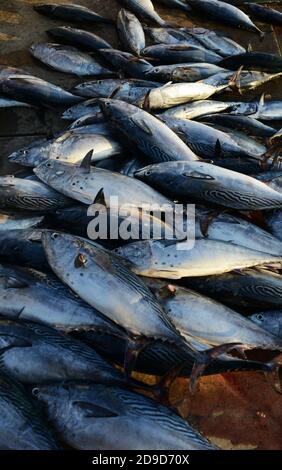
(238,410)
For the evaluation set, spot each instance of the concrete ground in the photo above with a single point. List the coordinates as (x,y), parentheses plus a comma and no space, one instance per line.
(235,410)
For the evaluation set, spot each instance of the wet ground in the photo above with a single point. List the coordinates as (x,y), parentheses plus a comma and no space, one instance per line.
(238,410)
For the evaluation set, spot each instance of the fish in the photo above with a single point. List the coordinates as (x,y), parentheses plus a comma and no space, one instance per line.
(179,53)
(174,259)
(79,38)
(109,417)
(19,193)
(270,320)
(208,142)
(233,229)
(33,353)
(145,9)
(22,426)
(208,321)
(244,81)
(71,12)
(135,67)
(80,221)
(173,94)
(263,13)
(210,183)
(216,42)
(187,72)
(169,35)
(224,13)
(94,185)
(31,295)
(196,109)
(262,61)
(9,103)
(15,221)
(258,288)
(80,110)
(71,146)
(130,31)
(125,89)
(246,124)
(141,316)
(268,110)
(37,92)
(148,133)
(159,358)
(68,59)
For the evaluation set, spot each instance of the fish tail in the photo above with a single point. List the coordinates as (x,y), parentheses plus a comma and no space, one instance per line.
(274,375)
(205,358)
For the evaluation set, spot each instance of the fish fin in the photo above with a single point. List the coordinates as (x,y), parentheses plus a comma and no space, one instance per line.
(142,125)
(16,343)
(162,388)
(218,148)
(250,48)
(234,81)
(205,358)
(262,99)
(86,162)
(197,175)
(90,410)
(206,220)
(132,350)
(100,198)
(274,375)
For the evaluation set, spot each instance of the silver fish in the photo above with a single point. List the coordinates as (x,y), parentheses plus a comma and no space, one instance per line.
(173,94)
(134,66)
(187,72)
(22,427)
(68,59)
(245,80)
(196,109)
(208,321)
(96,416)
(71,146)
(179,53)
(218,43)
(71,12)
(84,184)
(34,296)
(145,9)
(79,38)
(19,193)
(148,133)
(173,260)
(211,183)
(130,31)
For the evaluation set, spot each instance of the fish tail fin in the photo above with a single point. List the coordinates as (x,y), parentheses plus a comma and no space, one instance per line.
(162,388)
(274,375)
(204,358)
(234,81)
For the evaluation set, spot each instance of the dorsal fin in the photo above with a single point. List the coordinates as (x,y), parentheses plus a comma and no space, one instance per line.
(261,100)
(100,198)
(86,162)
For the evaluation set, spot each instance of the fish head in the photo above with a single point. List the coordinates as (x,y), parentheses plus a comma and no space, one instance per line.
(139,254)
(268,321)
(52,171)
(44,8)
(116,109)
(150,174)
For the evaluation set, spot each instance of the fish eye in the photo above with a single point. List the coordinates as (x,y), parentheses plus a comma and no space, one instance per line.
(260,316)
(54,236)
(35,392)
(147,172)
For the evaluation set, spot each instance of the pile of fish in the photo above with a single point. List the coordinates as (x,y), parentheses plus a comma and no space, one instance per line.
(161,121)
